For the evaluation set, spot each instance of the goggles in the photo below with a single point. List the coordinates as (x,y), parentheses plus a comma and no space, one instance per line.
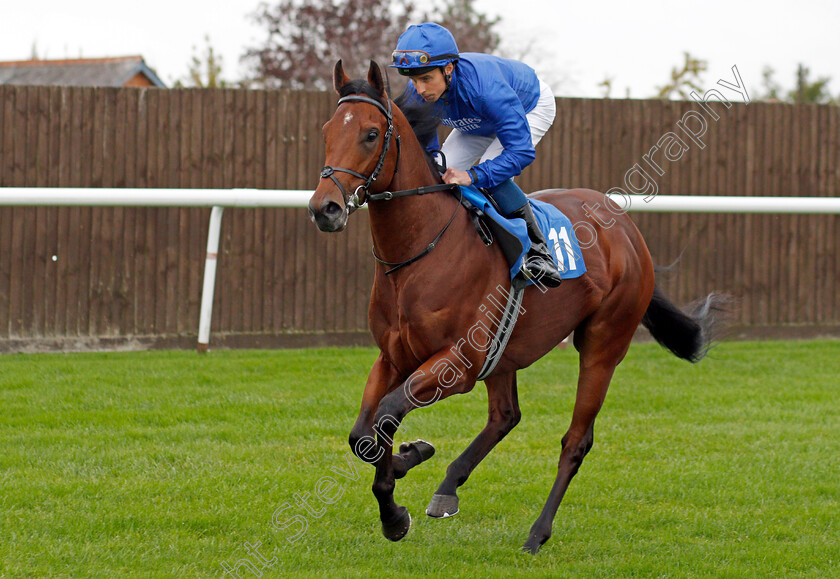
(419,58)
(411,58)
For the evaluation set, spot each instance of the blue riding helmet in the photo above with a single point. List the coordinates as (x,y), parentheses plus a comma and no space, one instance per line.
(424,46)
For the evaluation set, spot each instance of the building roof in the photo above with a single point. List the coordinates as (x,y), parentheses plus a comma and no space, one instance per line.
(79,72)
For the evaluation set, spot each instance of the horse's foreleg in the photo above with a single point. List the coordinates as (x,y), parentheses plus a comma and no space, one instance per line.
(411,454)
(437,378)
(383,378)
(370,444)
(503,416)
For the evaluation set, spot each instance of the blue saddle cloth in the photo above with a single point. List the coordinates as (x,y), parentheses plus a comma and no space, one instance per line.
(556,227)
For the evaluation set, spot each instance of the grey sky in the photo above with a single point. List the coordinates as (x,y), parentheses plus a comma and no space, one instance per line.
(574,44)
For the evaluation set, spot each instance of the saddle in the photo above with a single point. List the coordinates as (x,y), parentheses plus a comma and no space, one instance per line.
(512,236)
(490,230)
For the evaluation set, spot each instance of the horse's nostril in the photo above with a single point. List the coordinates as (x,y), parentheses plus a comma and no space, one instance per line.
(330,217)
(332,210)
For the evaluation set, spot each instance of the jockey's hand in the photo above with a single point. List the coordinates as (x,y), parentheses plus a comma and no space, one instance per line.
(456,177)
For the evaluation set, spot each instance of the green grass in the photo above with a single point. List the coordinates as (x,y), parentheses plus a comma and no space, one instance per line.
(165,464)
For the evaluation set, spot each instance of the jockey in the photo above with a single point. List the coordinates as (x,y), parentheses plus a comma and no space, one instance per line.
(499,110)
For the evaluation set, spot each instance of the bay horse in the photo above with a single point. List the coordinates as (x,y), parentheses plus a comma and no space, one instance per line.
(422,312)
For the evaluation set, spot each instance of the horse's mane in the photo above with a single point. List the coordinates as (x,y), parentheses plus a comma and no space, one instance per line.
(424,121)
(359,86)
(422,117)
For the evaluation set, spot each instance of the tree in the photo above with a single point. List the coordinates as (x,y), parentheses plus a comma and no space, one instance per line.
(772,90)
(810,92)
(684,80)
(205,71)
(607,84)
(805,91)
(306,37)
(473,31)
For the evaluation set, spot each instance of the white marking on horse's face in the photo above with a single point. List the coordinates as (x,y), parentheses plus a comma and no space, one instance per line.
(348,117)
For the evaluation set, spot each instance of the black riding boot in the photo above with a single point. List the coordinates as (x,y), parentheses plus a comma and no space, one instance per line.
(538,262)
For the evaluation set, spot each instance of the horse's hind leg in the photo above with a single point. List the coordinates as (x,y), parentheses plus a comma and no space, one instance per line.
(592,387)
(601,349)
(503,416)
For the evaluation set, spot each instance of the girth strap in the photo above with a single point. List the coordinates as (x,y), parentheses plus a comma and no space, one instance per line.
(503,332)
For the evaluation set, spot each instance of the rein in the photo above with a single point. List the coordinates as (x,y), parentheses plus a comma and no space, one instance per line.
(401,264)
(354,202)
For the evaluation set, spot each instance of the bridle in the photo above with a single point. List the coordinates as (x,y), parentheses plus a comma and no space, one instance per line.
(354,201)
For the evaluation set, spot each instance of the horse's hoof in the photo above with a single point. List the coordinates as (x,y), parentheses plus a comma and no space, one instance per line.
(533,544)
(442,506)
(424,449)
(397,528)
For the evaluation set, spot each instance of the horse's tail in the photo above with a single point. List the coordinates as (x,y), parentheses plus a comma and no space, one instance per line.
(689,335)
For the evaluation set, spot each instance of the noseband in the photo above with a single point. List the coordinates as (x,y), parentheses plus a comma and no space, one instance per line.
(354,202)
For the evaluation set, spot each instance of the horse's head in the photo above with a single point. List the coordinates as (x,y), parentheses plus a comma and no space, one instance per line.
(358,140)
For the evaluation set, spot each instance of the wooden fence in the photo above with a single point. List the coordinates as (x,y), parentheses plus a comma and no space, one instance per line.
(94,273)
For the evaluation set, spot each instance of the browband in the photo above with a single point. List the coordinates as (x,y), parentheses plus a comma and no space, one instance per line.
(364,99)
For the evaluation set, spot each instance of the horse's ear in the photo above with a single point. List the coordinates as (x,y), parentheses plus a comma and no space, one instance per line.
(375,78)
(339,77)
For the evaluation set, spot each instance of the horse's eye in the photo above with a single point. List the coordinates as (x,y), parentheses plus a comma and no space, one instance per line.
(372,136)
